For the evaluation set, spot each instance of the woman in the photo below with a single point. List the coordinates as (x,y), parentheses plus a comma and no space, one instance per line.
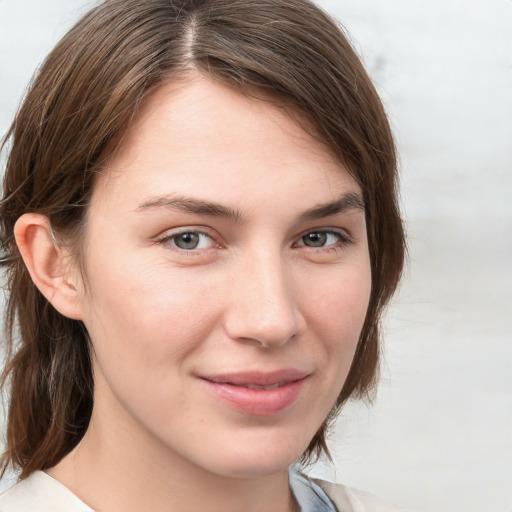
(200,231)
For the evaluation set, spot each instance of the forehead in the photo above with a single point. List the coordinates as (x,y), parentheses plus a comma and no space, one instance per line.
(199,134)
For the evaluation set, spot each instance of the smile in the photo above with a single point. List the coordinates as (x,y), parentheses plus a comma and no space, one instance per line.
(257,394)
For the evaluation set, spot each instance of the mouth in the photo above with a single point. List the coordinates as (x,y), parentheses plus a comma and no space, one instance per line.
(257,393)
(254,386)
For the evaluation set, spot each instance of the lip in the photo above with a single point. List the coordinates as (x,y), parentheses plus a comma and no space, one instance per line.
(275,391)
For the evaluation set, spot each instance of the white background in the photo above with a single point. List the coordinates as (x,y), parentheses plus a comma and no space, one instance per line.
(439,438)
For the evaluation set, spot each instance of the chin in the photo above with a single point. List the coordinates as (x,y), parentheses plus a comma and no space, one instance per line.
(250,469)
(259,459)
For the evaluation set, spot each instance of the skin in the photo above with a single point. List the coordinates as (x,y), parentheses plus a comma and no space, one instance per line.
(254,295)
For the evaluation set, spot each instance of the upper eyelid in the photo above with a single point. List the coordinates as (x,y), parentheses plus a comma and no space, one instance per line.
(178,231)
(169,233)
(172,233)
(339,231)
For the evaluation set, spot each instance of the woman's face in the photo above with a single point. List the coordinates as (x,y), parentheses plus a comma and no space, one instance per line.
(228,277)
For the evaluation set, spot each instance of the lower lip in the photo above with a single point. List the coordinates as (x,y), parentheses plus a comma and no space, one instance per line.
(256,402)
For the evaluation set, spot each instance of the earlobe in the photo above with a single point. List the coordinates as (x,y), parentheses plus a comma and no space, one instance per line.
(48,264)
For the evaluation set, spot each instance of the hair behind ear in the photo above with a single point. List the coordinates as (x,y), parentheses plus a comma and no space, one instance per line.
(50,374)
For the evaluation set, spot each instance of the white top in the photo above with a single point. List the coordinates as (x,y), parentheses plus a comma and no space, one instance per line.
(42,493)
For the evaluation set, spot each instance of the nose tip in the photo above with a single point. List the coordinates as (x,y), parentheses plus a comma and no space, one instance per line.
(268,329)
(272,327)
(264,308)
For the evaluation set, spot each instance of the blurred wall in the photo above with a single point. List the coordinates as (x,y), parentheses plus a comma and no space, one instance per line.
(439,437)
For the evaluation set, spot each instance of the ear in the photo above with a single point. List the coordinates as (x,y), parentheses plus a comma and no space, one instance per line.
(49,264)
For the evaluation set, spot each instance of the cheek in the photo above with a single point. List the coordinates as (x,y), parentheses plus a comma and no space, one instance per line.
(340,300)
(337,313)
(147,313)
(144,330)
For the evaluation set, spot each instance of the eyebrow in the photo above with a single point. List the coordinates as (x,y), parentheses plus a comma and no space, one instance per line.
(191,205)
(349,201)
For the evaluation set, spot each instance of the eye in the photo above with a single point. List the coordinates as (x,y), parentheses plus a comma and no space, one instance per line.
(322,238)
(189,240)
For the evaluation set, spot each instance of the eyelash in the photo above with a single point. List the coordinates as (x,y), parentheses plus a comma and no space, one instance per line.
(343,240)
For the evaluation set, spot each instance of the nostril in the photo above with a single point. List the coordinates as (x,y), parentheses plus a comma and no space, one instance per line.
(266,331)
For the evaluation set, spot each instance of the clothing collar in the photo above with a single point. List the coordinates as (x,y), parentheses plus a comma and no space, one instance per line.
(309,496)
(42,490)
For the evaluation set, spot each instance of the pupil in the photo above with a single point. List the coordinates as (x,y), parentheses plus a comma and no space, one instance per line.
(187,241)
(315,239)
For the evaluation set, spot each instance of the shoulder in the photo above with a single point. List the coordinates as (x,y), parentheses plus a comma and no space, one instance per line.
(348,499)
(40,493)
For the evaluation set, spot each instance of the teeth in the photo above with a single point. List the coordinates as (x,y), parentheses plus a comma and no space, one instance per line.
(273,386)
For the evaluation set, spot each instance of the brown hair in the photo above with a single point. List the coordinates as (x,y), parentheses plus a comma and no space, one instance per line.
(84,98)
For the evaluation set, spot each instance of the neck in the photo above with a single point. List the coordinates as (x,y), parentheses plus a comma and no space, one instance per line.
(116,471)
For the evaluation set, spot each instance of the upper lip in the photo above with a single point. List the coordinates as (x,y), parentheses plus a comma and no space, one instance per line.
(257,378)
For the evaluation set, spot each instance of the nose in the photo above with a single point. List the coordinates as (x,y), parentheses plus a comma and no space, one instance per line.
(264,303)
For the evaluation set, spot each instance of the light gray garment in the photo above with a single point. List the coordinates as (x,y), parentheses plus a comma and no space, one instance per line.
(42,493)
(309,495)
